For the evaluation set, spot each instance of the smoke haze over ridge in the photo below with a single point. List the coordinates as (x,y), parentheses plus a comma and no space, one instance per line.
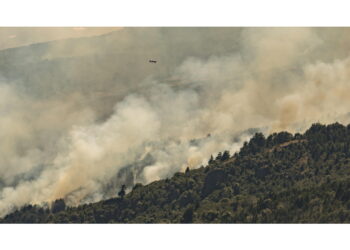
(80,117)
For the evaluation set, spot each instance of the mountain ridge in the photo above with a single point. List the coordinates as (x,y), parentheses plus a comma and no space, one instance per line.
(283,178)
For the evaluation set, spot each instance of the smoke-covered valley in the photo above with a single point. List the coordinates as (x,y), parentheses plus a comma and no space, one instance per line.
(80,117)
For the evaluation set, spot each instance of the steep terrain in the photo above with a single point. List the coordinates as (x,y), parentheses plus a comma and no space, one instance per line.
(284,178)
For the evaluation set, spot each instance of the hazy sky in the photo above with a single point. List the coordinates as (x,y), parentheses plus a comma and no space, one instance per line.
(18,36)
(80,117)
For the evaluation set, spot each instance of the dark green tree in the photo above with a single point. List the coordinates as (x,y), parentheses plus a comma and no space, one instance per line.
(225,156)
(122,191)
(187,216)
(218,157)
(58,206)
(211,160)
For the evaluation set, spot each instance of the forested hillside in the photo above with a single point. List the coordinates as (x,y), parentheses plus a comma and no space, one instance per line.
(282,178)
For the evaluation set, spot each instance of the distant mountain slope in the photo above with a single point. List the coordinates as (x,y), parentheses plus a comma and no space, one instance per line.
(113,59)
(284,178)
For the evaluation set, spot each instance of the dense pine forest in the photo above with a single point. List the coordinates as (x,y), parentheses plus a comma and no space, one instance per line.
(282,178)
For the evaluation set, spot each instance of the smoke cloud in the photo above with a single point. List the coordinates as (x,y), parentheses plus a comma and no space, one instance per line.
(81,117)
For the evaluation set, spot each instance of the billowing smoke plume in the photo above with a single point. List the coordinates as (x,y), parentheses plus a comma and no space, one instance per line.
(81,117)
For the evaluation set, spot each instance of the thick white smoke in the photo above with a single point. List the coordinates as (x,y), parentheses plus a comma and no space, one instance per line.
(84,143)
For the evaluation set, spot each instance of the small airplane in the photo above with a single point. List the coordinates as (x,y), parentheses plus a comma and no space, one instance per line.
(152,61)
